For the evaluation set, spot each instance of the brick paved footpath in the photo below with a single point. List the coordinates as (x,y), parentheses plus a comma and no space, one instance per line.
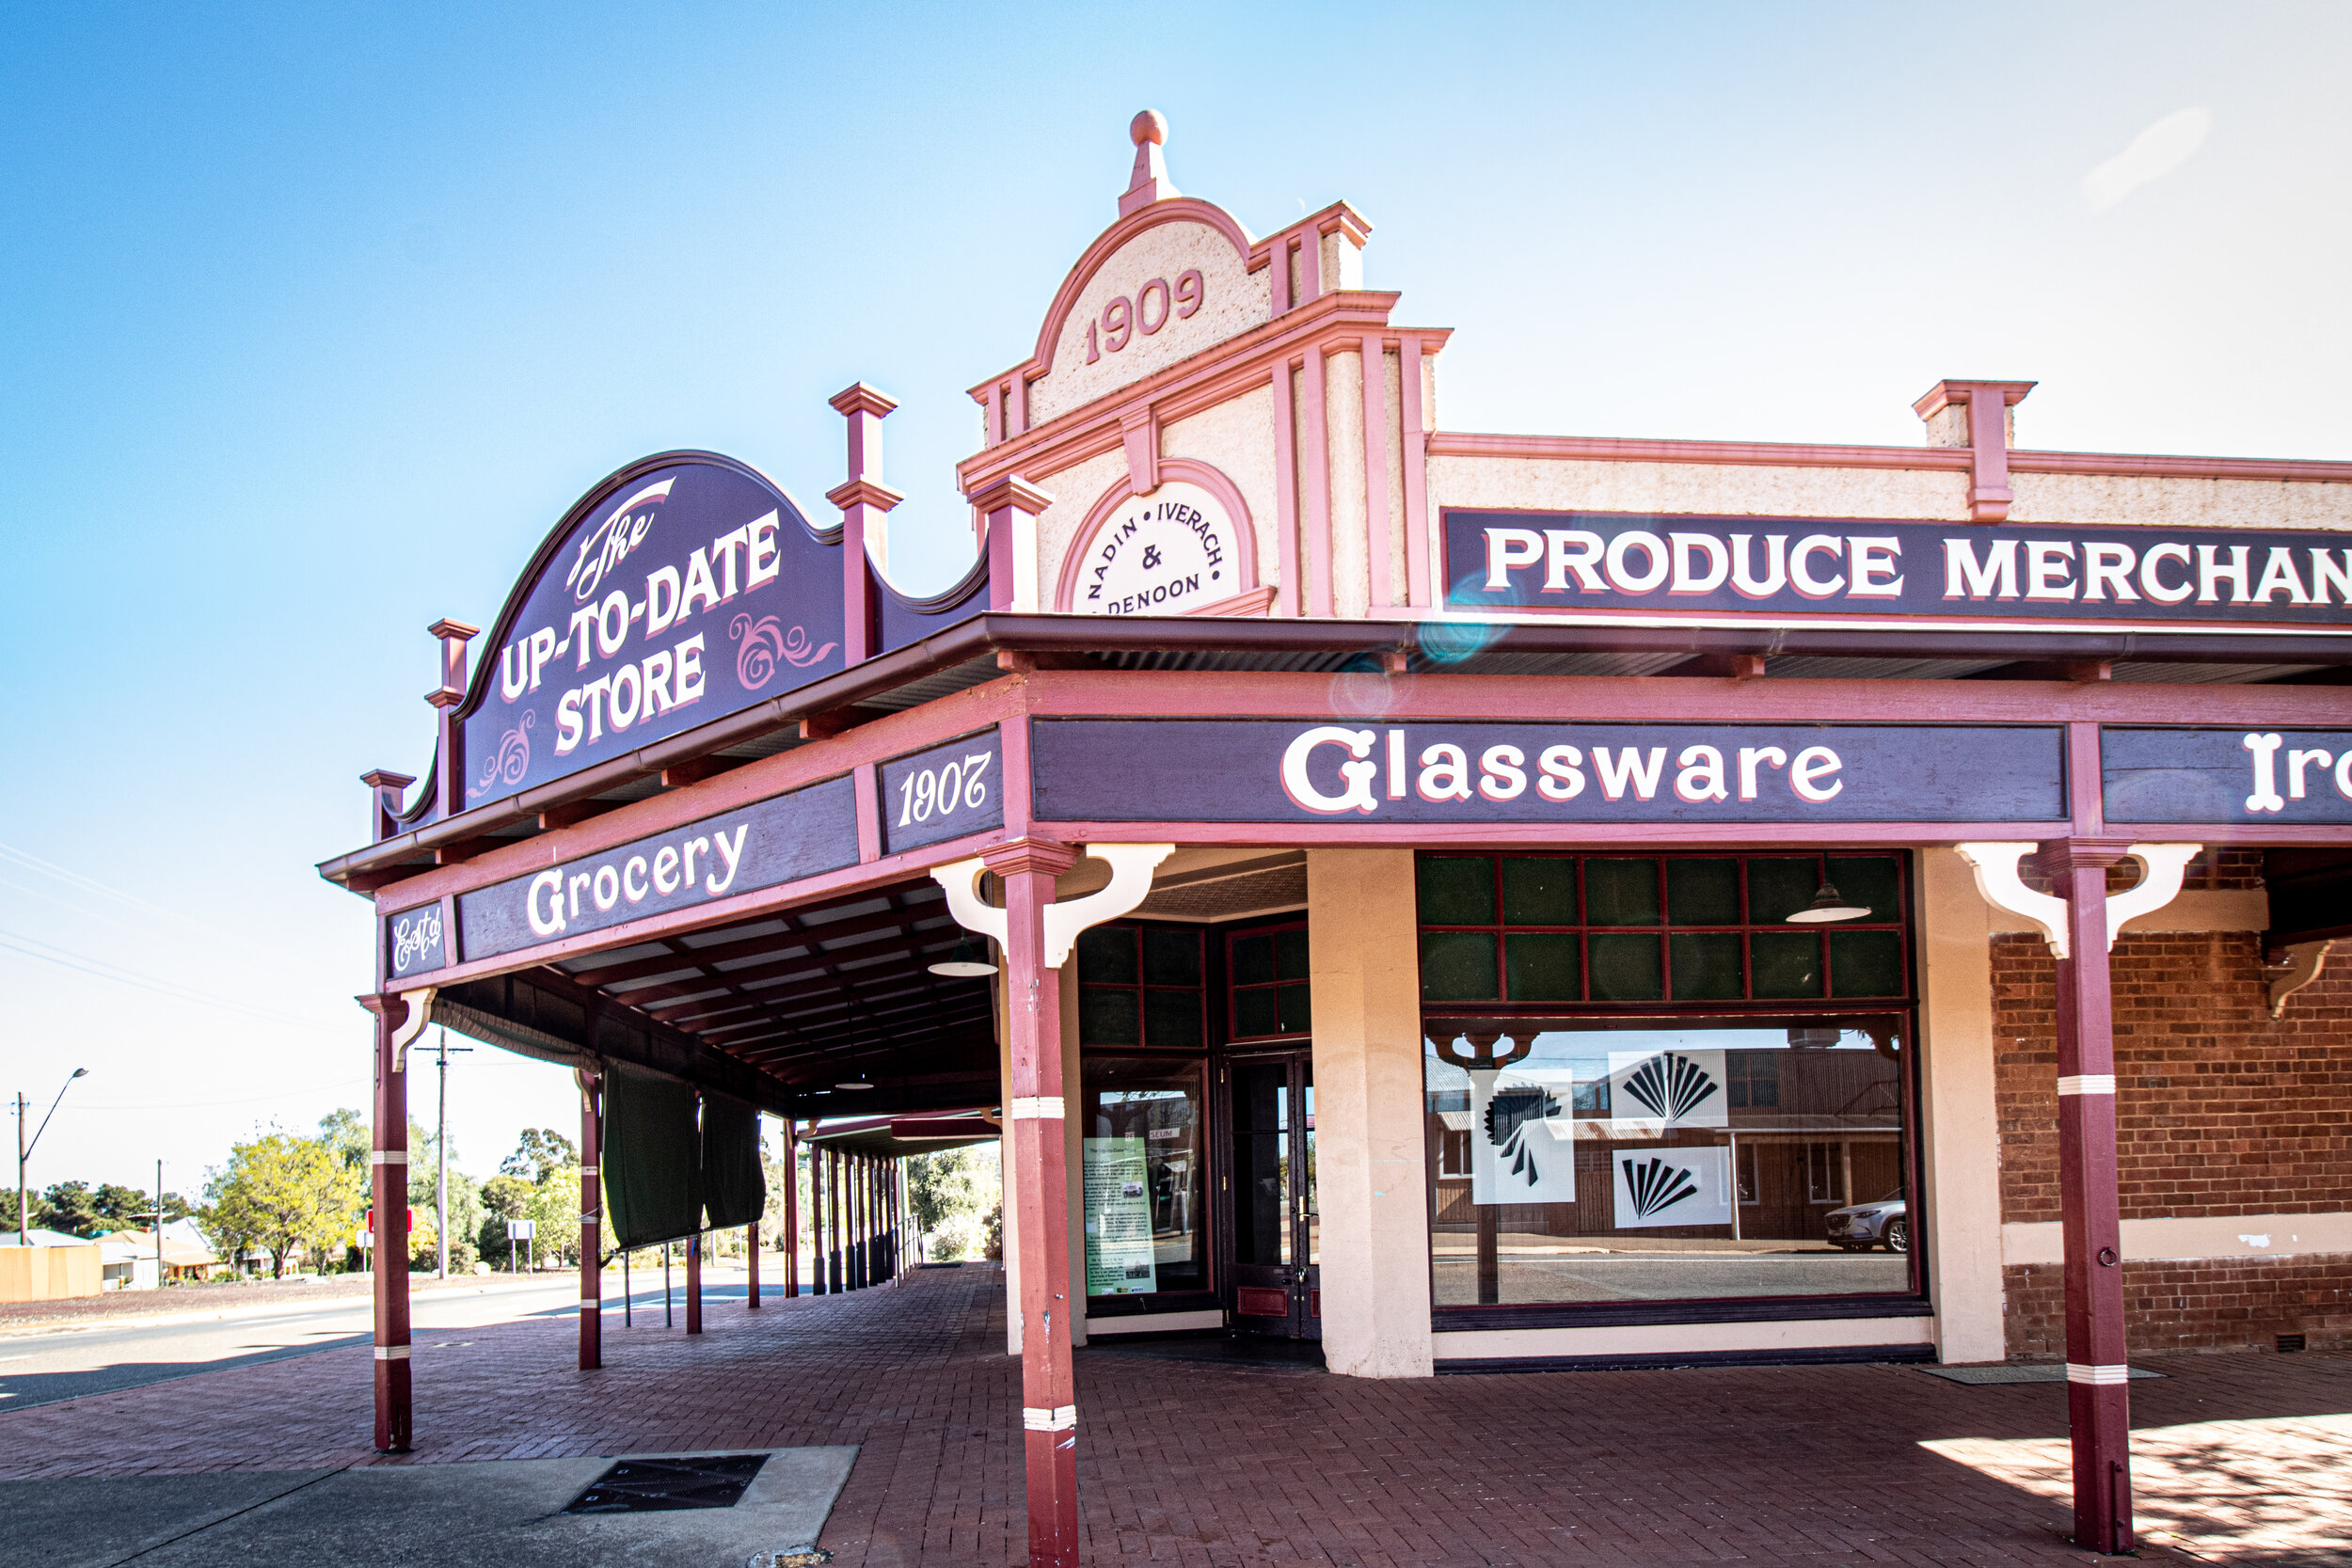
(1210,1465)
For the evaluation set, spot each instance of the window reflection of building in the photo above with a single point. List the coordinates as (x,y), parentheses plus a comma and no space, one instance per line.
(1709,1145)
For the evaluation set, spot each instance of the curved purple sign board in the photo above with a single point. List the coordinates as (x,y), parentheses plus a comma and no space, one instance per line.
(684,588)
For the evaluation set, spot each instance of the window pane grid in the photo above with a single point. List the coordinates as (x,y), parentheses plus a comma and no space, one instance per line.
(1268,989)
(1141,985)
(1643,954)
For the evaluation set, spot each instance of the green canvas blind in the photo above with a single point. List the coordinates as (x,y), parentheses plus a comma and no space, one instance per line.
(653,1170)
(735,1188)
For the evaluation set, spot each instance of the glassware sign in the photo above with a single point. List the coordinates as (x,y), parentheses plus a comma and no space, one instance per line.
(683,589)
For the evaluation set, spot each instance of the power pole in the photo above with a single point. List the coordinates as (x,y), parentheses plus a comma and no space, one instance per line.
(23,1224)
(159,1225)
(440,1162)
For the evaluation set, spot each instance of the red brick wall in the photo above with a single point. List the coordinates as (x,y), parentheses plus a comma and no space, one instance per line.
(2221,1110)
(2214,1304)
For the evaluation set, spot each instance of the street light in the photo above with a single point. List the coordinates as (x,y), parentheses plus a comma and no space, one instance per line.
(25,1152)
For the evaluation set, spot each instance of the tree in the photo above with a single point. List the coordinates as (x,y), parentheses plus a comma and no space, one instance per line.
(543,1153)
(71,1207)
(347,1132)
(280,1193)
(951,1196)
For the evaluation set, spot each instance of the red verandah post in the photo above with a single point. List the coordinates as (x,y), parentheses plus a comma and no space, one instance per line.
(1049,1414)
(591,1223)
(387,1190)
(750,1261)
(2098,1401)
(694,1283)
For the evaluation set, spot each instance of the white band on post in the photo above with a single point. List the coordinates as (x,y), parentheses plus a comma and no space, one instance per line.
(2077,1372)
(2087,1083)
(388,1157)
(1041,1107)
(391,1353)
(590,1171)
(1062,1418)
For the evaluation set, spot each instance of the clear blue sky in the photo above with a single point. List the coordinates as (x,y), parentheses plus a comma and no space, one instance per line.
(314,325)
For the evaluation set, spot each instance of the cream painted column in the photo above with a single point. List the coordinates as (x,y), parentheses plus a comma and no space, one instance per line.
(1370,1182)
(1960,1132)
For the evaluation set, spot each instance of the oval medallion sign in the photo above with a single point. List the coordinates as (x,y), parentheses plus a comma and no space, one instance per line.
(1176,549)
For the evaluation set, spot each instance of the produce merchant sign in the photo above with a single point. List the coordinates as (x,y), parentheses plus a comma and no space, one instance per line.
(1619,565)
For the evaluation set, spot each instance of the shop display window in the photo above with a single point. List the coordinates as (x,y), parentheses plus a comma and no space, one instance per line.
(1665,1090)
(1143,1144)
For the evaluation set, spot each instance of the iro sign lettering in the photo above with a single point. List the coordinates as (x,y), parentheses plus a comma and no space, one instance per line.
(2208,775)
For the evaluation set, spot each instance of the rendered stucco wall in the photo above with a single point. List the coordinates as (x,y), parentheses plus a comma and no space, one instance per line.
(1960,1121)
(1236,437)
(1233,301)
(1728,488)
(1369,1181)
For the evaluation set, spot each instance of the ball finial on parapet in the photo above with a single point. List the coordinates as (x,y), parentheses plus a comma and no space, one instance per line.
(1149,184)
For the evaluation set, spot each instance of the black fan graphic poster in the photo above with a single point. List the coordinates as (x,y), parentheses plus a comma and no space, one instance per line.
(1673,1186)
(1655,1090)
(1522,1139)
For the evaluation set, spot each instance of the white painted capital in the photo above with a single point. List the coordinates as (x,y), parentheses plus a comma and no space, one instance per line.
(1999,885)
(962,883)
(2161,866)
(420,1014)
(1131,882)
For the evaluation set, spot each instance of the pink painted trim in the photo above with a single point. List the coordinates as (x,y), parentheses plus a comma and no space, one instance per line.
(1285,490)
(1186,469)
(1182,209)
(1317,438)
(1142,438)
(1279,281)
(864,780)
(1616,699)
(1550,834)
(1415,475)
(1379,535)
(2022,462)
(1610,449)
(1186,387)
(1012,740)
(1017,404)
(1254,602)
(973,708)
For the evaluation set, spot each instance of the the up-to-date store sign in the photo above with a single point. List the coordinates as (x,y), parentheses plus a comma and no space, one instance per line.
(681,590)
(1619,564)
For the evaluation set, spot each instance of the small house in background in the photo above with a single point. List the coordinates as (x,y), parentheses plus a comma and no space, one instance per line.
(47,1265)
(131,1262)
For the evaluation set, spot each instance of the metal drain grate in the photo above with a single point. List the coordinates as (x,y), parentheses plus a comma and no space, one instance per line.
(656,1485)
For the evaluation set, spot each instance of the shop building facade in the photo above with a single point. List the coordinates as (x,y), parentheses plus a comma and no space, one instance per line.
(1480,902)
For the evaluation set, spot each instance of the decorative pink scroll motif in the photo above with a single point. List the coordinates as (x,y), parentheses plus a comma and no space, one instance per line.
(765,642)
(512,761)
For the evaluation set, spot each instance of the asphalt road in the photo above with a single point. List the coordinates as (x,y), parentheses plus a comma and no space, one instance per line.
(44,1368)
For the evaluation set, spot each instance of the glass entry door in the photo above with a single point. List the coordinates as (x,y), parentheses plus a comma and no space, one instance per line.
(1272,1272)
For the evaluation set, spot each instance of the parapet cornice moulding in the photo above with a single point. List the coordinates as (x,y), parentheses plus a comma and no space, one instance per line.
(1334,322)
(1610,449)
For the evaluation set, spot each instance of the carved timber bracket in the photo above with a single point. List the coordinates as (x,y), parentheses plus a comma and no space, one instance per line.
(2161,867)
(2305,963)
(419,1004)
(1131,865)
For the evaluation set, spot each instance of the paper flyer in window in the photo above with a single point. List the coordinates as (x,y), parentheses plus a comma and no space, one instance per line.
(1120,1261)
(1683,1186)
(1652,1093)
(1522,1136)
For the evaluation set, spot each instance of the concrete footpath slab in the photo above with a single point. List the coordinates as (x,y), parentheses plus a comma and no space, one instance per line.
(498,1513)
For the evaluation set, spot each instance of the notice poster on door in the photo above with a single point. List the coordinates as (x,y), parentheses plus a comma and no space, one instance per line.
(1118,1219)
